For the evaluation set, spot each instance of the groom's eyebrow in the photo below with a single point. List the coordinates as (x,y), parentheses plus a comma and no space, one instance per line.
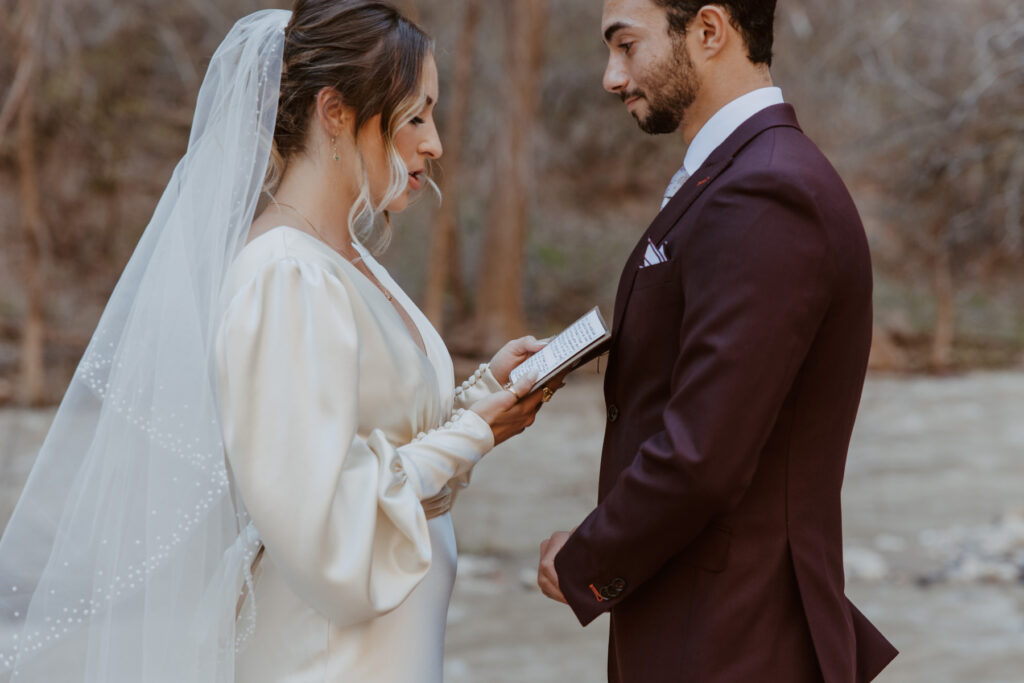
(610,32)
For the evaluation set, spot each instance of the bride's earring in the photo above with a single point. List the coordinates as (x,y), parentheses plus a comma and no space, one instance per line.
(334,147)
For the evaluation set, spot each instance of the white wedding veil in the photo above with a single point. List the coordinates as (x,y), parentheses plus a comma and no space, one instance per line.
(126,556)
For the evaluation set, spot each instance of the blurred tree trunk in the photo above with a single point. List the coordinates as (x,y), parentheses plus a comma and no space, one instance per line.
(33,384)
(445,269)
(32,388)
(499,311)
(945,306)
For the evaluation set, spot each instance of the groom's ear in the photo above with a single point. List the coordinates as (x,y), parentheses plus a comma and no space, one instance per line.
(711,31)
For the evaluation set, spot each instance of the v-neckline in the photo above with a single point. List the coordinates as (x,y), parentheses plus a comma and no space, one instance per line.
(395,304)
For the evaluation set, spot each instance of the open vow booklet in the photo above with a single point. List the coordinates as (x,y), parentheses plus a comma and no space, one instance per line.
(566,350)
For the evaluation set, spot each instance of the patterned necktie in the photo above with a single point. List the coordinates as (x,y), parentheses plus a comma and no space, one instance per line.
(678,179)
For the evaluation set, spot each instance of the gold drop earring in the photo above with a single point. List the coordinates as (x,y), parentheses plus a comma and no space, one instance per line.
(334,147)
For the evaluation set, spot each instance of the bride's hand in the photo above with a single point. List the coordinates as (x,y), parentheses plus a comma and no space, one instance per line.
(505,413)
(512,354)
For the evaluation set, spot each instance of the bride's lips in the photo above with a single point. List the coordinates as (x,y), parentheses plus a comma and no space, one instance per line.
(415,180)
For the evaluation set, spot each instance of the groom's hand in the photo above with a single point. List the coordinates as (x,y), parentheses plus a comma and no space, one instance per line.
(547,577)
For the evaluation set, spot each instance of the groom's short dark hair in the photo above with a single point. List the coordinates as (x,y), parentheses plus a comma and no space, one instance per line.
(754,19)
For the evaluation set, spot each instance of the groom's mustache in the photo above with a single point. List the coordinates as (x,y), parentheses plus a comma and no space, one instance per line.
(628,95)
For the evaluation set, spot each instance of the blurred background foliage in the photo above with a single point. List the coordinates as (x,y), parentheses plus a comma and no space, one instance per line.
(919,104)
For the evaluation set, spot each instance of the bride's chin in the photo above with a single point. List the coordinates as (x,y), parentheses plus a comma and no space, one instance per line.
(399,204)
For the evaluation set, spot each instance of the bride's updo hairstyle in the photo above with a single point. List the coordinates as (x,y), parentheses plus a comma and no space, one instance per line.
(373,57)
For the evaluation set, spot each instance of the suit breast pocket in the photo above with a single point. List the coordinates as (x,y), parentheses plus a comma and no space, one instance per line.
(657,288)
(655,275)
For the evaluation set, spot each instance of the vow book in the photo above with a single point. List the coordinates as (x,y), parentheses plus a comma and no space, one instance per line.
(566,350)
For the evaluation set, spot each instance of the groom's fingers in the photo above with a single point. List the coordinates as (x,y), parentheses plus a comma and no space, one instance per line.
(550,588)
(547,577)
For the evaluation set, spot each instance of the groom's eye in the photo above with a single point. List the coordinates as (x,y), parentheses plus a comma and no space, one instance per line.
(626,47)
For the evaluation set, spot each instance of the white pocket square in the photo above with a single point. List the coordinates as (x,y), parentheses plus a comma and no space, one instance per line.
(654,255)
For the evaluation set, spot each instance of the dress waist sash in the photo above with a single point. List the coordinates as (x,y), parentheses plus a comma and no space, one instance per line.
(440,504)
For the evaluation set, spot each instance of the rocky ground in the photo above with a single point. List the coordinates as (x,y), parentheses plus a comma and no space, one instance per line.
(934,515)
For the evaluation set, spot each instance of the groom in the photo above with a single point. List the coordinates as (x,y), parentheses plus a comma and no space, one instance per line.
(741,335)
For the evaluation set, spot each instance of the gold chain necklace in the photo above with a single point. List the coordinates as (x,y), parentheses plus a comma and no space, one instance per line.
(373,279)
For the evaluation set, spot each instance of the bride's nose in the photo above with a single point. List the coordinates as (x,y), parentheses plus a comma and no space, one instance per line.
(430,146)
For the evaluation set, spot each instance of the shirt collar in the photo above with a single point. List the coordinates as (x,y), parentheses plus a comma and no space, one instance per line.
(725,122)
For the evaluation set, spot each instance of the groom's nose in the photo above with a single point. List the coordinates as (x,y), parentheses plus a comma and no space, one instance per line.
(615,77)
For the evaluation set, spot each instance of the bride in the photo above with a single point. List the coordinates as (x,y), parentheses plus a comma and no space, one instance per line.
(250,475)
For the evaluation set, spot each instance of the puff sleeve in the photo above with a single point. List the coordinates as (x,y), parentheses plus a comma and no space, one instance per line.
(338,512)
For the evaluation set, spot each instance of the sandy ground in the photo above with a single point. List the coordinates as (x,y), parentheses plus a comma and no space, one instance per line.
(929,455)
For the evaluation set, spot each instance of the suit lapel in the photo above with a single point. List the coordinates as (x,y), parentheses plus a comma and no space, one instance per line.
(718,161)
(626,284)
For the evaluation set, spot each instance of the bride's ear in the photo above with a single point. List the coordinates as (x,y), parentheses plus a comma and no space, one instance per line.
(332,114)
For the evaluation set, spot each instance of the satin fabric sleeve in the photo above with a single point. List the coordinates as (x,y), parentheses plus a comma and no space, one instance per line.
(479,385)
(339,514)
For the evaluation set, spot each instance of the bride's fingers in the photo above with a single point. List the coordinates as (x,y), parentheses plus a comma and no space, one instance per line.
(529,345)
(521,387)
(537,344)
(533,402)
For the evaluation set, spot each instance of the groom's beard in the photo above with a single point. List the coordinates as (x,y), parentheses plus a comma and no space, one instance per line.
(667,104)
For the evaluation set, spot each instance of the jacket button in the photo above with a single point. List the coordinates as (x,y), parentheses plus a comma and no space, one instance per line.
(613,589)
(613,413)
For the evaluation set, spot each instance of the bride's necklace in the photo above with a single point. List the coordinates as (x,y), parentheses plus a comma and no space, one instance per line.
(373,278)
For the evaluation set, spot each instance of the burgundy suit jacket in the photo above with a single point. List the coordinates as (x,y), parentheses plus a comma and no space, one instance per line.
(733,381)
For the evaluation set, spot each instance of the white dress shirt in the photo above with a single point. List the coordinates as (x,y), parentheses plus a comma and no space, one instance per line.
(719,127)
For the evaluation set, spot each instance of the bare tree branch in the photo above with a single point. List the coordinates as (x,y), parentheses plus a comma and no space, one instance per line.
(16,93)
(179,52)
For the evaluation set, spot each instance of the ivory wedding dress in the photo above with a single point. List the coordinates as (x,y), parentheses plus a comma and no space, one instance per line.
(129,557)
(337,428)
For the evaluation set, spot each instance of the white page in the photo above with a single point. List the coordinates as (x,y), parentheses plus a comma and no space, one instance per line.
(572,340)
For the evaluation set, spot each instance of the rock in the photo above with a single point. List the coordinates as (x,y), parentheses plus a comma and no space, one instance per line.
(479,567)
(974,569)
(528,578)
(864,564)
(890,544)
(991,553)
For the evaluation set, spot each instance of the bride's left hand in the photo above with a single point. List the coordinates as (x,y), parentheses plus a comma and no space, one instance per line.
(512,354)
